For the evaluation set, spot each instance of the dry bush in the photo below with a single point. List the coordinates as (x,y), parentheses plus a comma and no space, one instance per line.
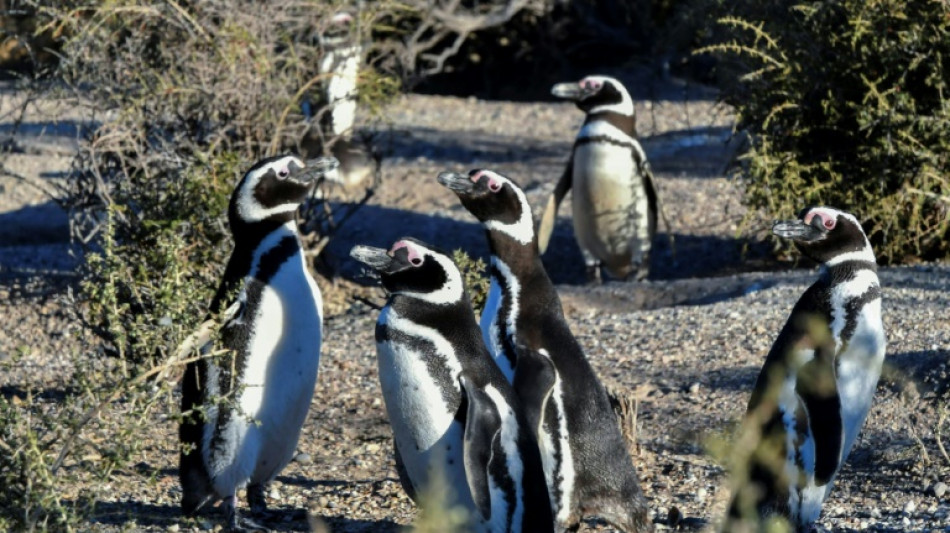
(846,104)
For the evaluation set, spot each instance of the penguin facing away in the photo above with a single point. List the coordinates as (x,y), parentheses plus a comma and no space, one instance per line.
(615,199)
(587,466)
(451,409)
(816,386)
(333,133)
(271,315)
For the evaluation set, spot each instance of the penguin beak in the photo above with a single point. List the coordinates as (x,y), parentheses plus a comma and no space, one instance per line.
(458,183)
(797,230)
(568,91)
(376,258)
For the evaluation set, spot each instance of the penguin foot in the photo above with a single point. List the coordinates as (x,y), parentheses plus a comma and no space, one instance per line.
(593,274)
(256,499)
(235,522)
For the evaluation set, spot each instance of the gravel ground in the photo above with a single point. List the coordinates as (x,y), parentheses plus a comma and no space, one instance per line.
(687,343)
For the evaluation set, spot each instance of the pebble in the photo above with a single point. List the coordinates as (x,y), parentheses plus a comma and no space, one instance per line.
(910,507)
(174,528)
(939,489)
(303,458)
(700,494)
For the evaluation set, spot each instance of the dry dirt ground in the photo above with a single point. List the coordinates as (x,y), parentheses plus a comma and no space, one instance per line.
(688,343)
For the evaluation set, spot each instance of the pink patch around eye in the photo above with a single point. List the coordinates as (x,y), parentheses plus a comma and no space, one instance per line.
(415,256)
(476,176)
(494,185)
(829,223)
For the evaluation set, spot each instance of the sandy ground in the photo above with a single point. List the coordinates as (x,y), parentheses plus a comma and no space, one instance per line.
(688,342)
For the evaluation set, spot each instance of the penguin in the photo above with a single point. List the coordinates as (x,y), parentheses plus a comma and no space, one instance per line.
(332,134)
(587,466)
(242,412)
(615,198)
(815,389)
(450,407)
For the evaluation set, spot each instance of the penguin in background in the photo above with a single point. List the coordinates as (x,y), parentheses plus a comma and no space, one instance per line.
(333,133)
(588,468)
(450,407)
(242,412)
(615,201)
(815,388)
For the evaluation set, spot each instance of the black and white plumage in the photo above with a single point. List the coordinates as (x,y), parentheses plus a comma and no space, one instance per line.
(587,466)
(243,411)
(451,409)
(816,386)
(615,199)
(333,134)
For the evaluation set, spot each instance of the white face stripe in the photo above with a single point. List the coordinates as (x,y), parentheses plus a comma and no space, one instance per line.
(248,207)
(625,107)
(521,230)
(450,292)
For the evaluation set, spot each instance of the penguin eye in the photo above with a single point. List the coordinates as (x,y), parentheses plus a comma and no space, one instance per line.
(494,186)
(283,173)
(416,261)
(829,223)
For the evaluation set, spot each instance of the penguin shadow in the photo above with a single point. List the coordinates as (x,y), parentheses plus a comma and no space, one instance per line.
(687,256)
(381,226)
(461,147)
(698,152)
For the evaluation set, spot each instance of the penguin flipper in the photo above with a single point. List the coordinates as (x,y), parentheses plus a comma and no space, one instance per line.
(655,206)
(546,226)
(403,474)
(533,382)
(482,430)
(816,387)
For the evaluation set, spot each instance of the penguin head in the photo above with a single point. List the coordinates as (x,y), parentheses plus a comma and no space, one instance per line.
(826,235)
(596,94)
(338,30)
(414,269)
(274,188)
(495,200)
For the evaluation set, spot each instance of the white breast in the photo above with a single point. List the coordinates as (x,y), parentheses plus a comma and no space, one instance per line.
(424,427)
(859,367)
(610,205)
(278,379)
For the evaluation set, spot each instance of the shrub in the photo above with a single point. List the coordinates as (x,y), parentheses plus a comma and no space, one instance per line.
(846,105)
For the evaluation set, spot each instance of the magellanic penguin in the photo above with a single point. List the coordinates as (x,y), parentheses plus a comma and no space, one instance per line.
(242,412)
(333,132)
(615,198)
(449,405)
(815,389)
(587,466)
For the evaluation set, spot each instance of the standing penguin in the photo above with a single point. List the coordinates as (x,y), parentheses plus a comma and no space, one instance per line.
(815,389)
(615,199)
(333,133)
(449,405)
(242,412)
(587,466)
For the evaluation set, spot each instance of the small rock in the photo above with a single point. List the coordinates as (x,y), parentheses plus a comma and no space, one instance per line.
(939,489)
(303,458)
(274,495)
(700,495)
(910,507)
(694,388)
(875,513)
(174,528)
(323,501)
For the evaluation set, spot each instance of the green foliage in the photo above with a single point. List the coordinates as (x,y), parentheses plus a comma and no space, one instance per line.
(473,277)
(846,105)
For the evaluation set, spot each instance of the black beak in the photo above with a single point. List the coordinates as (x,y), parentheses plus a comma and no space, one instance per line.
(458,183)
(568,91)
(315,169)
(797,230)
(376,258)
